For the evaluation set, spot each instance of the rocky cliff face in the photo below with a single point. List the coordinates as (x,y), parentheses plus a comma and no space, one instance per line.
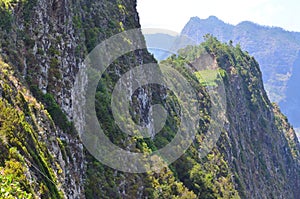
(256,135)
(48,40)
(33,149)
(257,142)
(45,43)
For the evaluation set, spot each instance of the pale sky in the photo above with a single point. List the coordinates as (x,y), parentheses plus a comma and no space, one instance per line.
(174,14)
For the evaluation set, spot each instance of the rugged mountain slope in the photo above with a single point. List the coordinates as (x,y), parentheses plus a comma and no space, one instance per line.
(45,43)
(252,141)
(34,154)
(276,50)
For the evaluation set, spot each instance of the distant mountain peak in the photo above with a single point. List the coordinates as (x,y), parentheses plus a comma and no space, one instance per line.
(194,20)
(212,17)
(249,24)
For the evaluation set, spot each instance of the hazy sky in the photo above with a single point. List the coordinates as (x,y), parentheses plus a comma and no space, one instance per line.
(174,14)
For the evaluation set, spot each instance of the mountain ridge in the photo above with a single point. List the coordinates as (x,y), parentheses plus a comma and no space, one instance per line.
(275,49)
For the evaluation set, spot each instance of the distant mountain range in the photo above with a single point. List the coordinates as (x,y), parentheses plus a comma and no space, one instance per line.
(276,50)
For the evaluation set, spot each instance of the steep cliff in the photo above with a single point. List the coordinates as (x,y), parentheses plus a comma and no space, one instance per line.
(42,156)
(46,42)
(257,136)
(257,142)
(33,152)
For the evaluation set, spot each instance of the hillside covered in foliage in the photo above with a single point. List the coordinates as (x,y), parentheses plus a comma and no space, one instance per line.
(43,45)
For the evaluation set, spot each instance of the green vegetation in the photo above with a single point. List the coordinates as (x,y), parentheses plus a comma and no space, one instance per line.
(59,117)
(188,177)
(20,142)
(13,182)
(5,15)
(210,77)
